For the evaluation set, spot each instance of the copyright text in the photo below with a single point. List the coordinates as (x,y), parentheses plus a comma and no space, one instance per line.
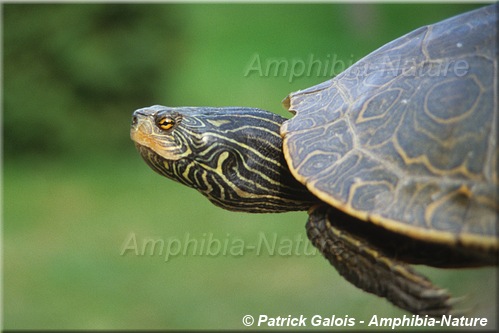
(410,321)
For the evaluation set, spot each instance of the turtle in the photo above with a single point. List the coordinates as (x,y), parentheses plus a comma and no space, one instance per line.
(395,159)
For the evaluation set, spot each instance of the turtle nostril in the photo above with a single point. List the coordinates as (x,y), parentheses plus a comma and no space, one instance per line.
(134,120)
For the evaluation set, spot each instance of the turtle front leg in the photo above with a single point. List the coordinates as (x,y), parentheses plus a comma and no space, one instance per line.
(369,269)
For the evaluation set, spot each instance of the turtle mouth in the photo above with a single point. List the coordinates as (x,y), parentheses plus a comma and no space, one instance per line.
(141,134)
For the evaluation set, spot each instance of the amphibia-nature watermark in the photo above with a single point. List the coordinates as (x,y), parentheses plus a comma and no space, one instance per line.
(331,65)
(208,245)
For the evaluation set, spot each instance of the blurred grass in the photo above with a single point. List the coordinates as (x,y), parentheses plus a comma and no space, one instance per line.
(63,267)
(75,188)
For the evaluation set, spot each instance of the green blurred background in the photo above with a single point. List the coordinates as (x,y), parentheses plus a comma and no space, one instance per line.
(75,189)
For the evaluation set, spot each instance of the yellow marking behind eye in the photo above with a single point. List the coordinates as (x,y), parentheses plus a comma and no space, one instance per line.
(218,123)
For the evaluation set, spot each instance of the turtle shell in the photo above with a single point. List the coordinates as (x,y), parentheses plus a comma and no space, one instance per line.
(406,138)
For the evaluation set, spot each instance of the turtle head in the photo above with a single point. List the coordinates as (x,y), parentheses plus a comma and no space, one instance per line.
(232,155)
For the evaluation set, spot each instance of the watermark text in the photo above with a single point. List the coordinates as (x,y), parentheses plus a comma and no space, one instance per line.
(209,245)
(331,65)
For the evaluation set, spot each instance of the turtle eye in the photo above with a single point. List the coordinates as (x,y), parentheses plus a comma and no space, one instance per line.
(166,123)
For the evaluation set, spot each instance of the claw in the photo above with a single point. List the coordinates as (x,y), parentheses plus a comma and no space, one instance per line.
(454,300)
(433,293)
